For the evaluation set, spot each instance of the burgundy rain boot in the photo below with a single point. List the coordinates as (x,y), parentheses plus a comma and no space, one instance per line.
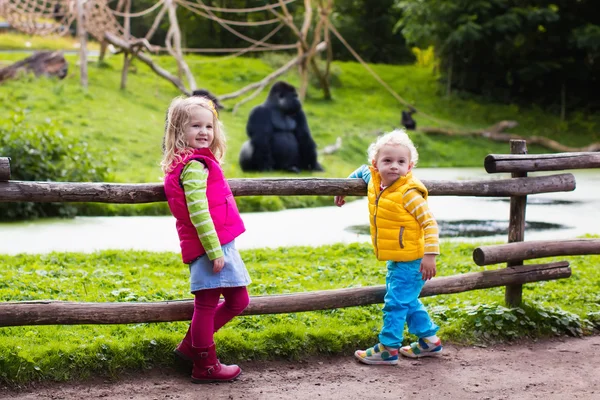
(207,367)
(184,350)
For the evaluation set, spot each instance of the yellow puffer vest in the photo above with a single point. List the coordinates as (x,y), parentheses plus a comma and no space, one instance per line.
(395,233)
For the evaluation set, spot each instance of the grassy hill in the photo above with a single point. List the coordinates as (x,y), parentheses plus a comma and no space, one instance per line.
(129,123)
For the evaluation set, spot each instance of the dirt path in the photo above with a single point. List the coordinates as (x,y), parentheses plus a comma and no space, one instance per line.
(557,369)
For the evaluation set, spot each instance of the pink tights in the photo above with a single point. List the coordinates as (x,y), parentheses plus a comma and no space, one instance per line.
(209,316)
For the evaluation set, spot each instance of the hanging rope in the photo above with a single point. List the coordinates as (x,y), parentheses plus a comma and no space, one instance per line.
(192,7)
(230,29)
(378,78)
(243,10)
(244,50)
(267,37)
(140,13)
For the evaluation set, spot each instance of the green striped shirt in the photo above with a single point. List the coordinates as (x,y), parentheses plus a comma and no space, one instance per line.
(194,178)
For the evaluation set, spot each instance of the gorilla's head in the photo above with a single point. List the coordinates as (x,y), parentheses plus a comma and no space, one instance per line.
(284,96)
(208,95)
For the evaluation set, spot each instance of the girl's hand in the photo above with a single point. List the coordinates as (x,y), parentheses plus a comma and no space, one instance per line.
(339,200)
(428,266)
(218,264)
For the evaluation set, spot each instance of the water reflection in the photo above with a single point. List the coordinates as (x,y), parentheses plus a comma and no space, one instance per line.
(533,201)
(472,228)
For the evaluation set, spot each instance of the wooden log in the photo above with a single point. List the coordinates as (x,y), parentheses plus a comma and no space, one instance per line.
(495,133)
(4,169)
(516,226)
(81,7)
(487,255)
(128,193)
(48,63)
(540,162)
(118,42)
(72,313)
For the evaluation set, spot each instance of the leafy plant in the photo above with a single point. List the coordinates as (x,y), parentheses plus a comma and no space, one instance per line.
(493,322)
(44,152)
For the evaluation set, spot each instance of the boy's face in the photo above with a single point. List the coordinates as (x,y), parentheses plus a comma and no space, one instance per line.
(392,162)
(199,131)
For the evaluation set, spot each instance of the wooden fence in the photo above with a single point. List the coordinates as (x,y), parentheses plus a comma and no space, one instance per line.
(518,187)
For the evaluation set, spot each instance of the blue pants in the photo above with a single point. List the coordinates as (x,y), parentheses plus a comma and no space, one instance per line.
(402,305)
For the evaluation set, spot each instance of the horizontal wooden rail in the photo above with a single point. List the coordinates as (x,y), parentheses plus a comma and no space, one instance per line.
(71,313)
(4,169)
(540,162)
(487,255)
(15,191)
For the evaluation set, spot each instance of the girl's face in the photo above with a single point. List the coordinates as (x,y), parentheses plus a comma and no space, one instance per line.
(392,162)
(199,133)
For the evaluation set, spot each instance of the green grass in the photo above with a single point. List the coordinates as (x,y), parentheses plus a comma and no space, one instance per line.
(130,122)
(32,353)
(18,41)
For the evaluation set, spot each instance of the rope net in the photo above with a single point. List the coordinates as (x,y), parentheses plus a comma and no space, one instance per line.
(55,17)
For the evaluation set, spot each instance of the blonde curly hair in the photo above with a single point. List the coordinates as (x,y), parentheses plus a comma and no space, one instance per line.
(395,137)
(178,118)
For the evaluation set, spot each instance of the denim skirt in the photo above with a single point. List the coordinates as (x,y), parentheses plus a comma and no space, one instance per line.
(233,274)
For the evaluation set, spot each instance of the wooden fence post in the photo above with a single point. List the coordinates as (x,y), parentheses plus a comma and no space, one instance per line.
(516,226)
(4,169)
(82,34)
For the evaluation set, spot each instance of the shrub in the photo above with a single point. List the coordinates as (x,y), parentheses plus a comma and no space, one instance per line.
(44,152)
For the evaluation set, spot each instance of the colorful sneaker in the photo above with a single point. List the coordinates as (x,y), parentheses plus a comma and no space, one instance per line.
(422,348)
(377,355)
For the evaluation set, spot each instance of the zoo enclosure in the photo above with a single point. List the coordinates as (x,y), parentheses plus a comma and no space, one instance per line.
(518,187)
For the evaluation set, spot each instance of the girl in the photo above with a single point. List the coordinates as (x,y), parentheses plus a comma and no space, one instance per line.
(208,222)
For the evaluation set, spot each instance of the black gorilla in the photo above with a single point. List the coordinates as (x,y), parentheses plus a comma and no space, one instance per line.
(279,135)
(407,120)
(208,95)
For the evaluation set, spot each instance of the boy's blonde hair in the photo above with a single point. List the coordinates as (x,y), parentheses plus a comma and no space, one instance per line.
(395,137)
(178,117)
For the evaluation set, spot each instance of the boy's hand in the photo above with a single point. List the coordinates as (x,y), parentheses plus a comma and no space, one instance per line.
(218,264)
(428,266)
(339,200)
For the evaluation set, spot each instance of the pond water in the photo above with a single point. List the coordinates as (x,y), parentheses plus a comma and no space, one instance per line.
(549,216)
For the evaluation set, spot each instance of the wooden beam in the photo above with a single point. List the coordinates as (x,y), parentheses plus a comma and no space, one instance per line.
(487,255)
(128,193)
(82,34)
(116,41)
(540,162)
(71,313)
(4,169)
(495,133)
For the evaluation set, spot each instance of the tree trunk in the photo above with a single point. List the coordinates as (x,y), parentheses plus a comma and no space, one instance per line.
(103,46)
(495,133)
(449,77)
(48,63)
(4,169)
(563,101)
(126,36)
(82,34)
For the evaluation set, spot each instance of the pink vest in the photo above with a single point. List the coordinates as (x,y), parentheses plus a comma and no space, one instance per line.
(223,210)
